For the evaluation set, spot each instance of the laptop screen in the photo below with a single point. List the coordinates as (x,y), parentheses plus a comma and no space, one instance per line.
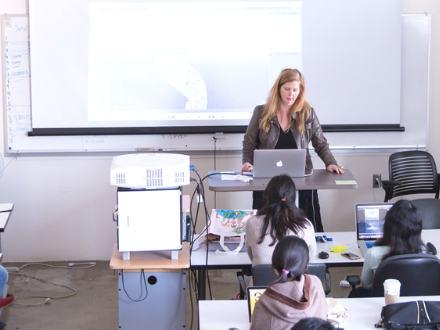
(253,294)
(370,218)
(271,162)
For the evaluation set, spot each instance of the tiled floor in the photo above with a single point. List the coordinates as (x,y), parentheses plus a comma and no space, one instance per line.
(95,304)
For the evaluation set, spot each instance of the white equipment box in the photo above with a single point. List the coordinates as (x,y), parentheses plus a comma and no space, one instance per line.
(149,220)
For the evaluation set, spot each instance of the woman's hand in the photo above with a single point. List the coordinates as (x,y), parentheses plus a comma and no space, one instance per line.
(335,169)
(247,167)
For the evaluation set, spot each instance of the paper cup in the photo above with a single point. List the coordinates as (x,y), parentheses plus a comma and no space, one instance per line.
(391,288)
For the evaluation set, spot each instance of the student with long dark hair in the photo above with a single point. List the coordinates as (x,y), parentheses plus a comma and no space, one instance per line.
(401,235)
(294,295)
(279,217)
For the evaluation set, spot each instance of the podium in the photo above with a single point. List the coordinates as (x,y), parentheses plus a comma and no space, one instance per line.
(152,289)
(320,179)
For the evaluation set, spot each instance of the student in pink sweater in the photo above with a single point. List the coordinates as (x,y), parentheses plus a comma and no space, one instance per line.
(294,295)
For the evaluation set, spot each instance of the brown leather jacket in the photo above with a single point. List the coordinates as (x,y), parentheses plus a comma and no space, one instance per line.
(258,139)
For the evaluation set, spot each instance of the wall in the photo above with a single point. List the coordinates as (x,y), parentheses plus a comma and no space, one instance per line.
(64,204)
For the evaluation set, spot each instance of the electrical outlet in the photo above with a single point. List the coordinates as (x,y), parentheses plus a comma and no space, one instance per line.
(376,180)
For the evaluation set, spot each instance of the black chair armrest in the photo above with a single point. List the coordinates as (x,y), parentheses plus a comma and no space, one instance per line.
(328,282)
(438,187)
(431,249)
(242,285)
(353,280)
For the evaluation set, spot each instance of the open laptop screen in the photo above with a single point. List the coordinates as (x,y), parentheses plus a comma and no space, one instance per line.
(369,220)
(271,162)
(253,293)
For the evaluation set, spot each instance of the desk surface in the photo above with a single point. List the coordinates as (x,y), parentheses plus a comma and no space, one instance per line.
(363,313)
(233,261)
(5,212)
(320,179)
(151,260)
(225,260)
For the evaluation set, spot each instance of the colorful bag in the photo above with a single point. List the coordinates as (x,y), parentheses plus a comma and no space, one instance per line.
(230,223)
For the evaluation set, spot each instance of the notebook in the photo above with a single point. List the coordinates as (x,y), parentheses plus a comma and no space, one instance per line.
(253,293)
(271,162)
(369,223)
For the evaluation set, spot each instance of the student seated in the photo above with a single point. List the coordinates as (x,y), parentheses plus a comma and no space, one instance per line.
(401,235)
(278,218)
(294,295)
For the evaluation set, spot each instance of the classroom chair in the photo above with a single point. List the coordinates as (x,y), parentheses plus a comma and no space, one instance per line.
(419,275)
(411,172)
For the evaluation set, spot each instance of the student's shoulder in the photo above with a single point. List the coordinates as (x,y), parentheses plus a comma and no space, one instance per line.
(254,220)
(254,224)
(314,279)
(309,225)
(377,251)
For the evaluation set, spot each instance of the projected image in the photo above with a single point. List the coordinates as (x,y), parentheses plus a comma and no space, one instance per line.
(162,62)
(201,66)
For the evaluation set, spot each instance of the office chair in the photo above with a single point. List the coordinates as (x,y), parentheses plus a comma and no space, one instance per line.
(429,209)
(419,275)
(411,172)
(263,275)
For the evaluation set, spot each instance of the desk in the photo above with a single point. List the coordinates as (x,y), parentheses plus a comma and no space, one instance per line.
(320,179)
(5,213)
(152,289)
(241,260)
(363,313)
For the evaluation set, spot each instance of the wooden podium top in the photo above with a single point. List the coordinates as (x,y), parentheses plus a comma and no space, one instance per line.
(320,179)
(151,260)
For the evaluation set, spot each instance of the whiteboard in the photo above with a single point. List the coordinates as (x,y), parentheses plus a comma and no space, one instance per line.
(18,116)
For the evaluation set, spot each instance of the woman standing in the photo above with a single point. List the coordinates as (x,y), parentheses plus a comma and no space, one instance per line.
(287,121)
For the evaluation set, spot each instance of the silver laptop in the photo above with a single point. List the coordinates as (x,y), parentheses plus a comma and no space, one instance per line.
(271,162)
(370,218)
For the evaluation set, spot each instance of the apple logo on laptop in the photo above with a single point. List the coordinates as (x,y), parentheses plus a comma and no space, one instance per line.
(279,163)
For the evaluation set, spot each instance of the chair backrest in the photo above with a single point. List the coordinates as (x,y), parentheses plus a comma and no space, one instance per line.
(419,274)
(264,274)
(429,209)
(415,171)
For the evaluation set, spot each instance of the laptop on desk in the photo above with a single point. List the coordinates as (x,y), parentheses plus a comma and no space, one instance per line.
(370,218)
(271,162)
(253,293)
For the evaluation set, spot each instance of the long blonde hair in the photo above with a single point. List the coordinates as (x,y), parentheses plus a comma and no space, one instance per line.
(301,105)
